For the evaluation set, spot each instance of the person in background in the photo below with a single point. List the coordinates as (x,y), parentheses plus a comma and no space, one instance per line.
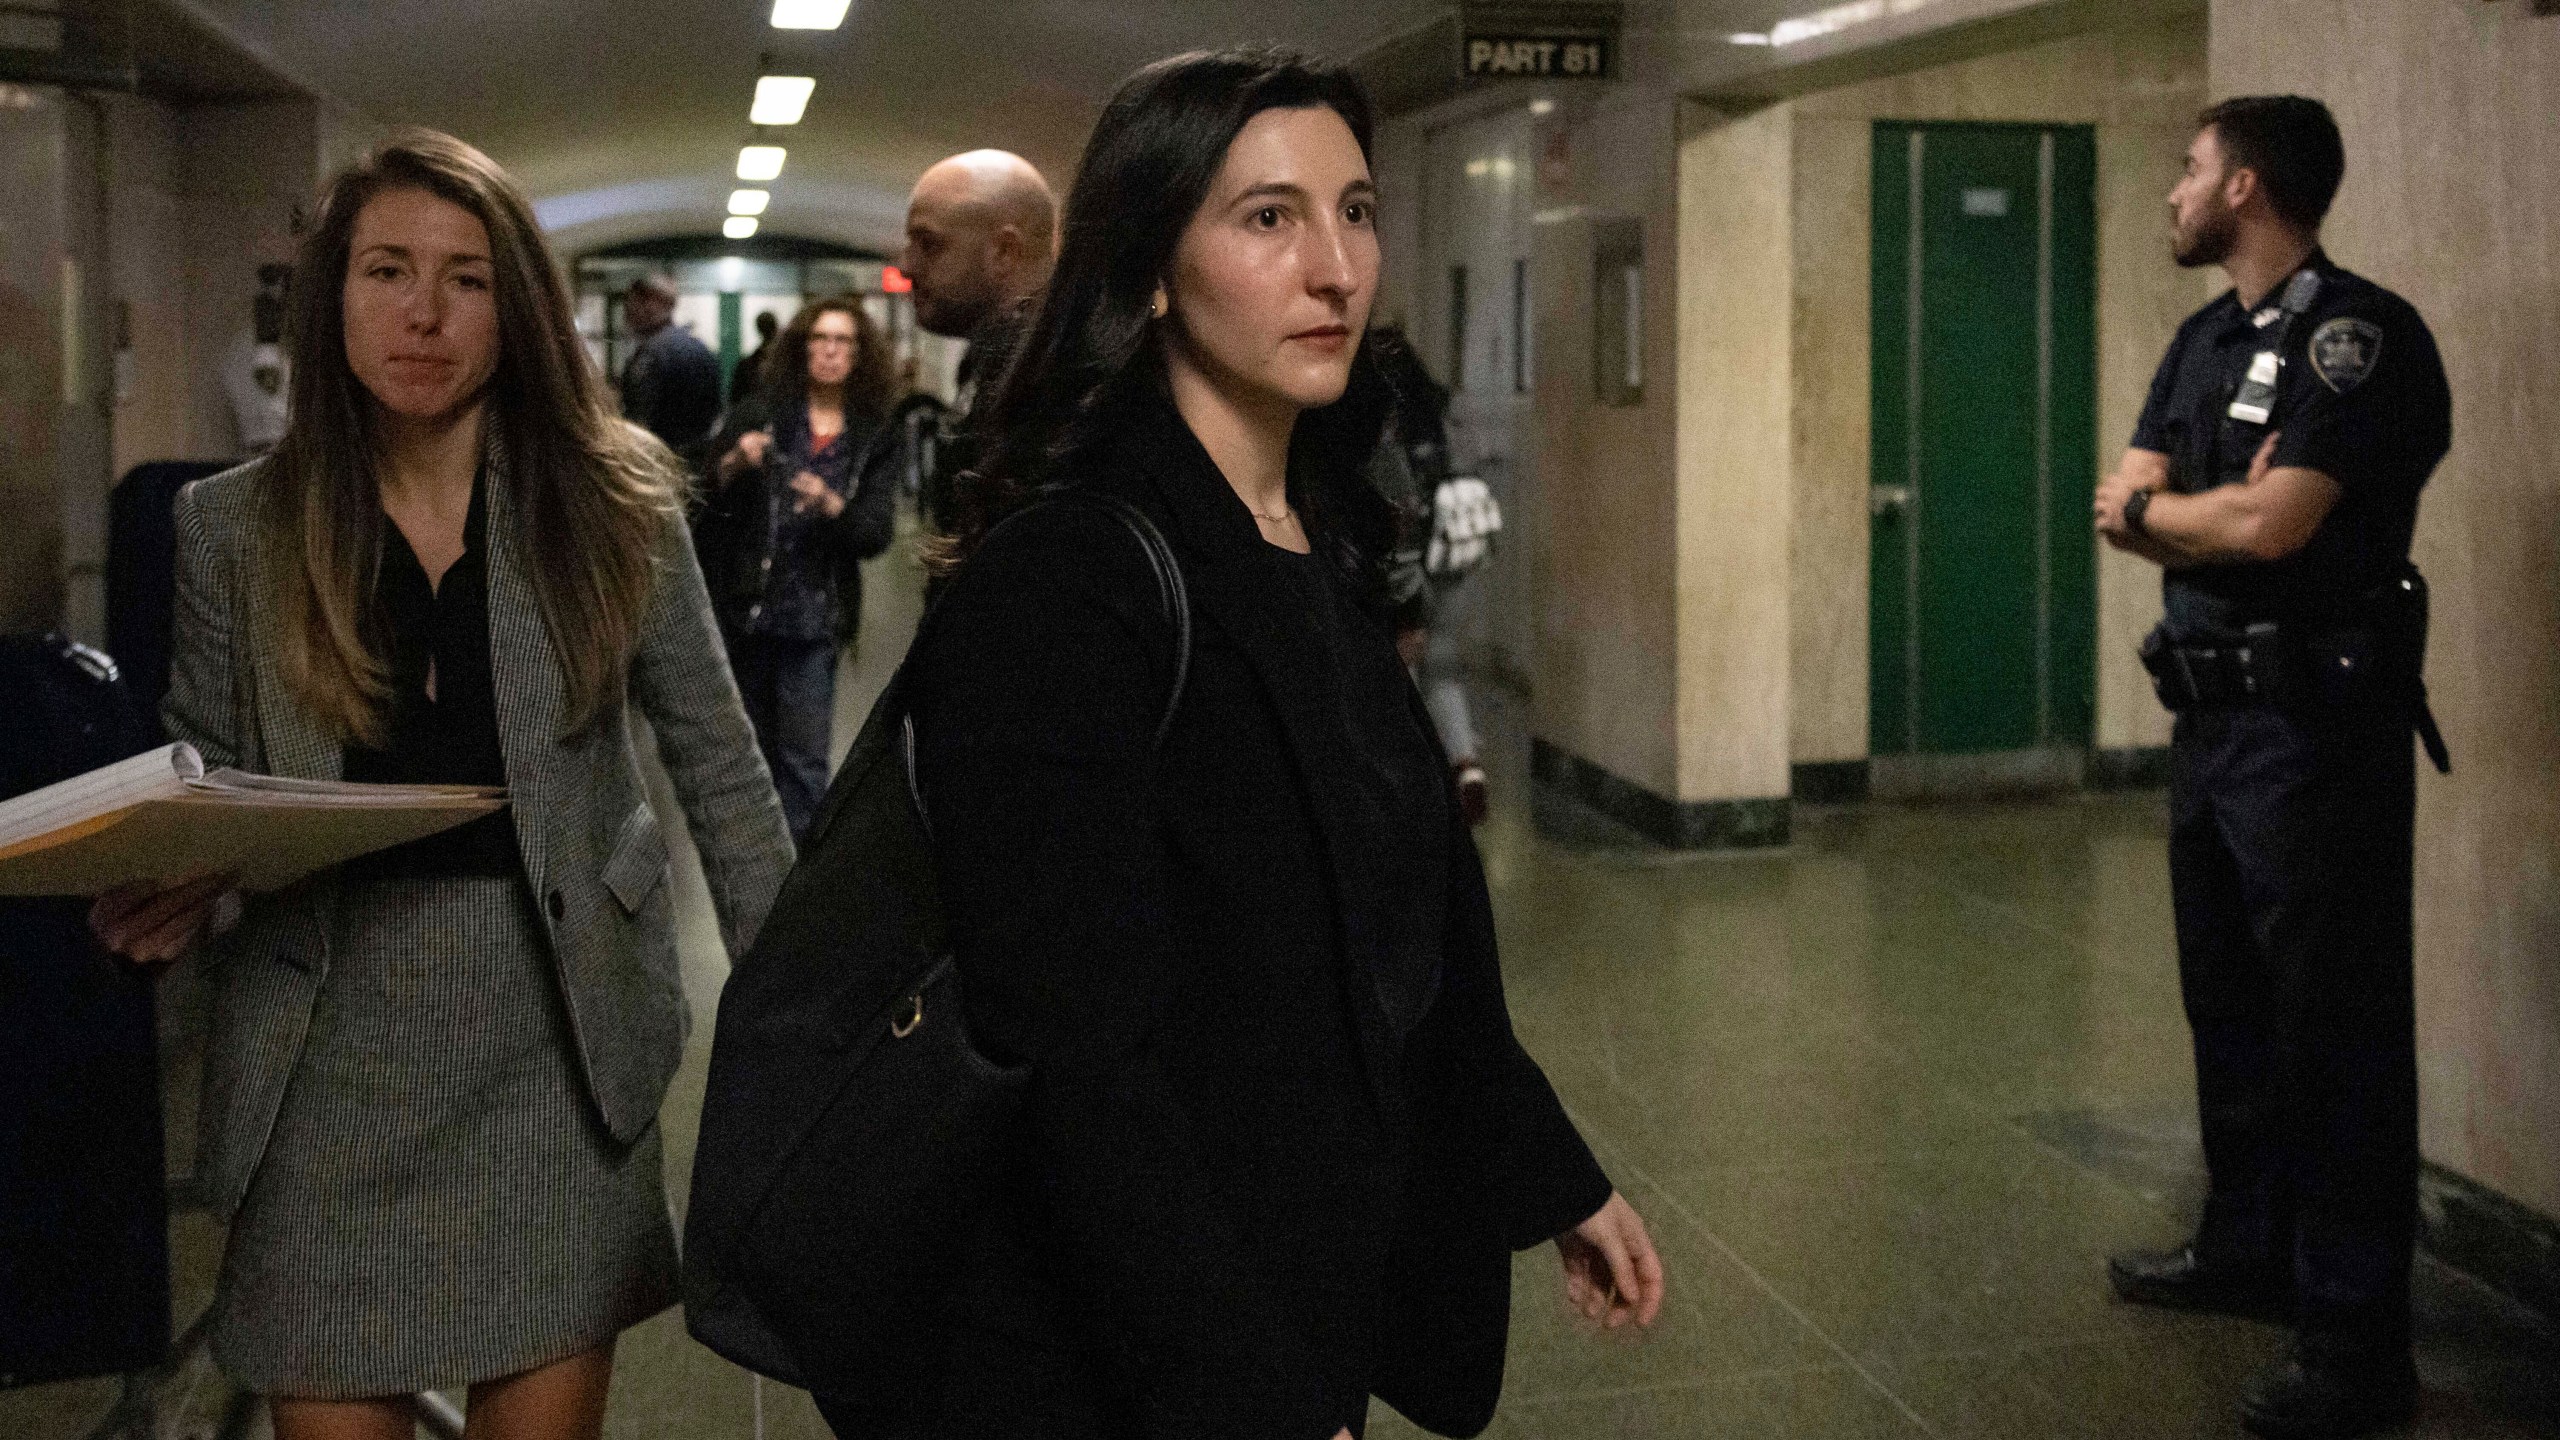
(789,512)
(671,387)
(431,1090)
(744,381)
(981,237)
(1431,607)
(1280,1139)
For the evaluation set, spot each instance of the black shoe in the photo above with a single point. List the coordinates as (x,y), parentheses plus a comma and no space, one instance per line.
(2296,1399)
(2179,1280)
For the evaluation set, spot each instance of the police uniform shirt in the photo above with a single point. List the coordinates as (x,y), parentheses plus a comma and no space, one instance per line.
(2360,397)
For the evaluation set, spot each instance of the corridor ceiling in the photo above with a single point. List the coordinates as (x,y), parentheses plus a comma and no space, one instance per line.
(623,117)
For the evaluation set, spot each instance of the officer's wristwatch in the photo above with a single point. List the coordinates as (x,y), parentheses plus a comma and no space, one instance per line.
(2134,506)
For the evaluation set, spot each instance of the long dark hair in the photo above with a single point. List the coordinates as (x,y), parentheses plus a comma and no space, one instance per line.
(1092,353)
(785,380)
(592,494)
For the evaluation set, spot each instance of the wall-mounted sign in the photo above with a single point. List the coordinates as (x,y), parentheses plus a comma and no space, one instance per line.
(1495,56)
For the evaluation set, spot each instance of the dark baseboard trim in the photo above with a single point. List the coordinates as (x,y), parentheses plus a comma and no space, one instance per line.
(1691,825)
(1830,782)
(2139,767)
(2474,1229)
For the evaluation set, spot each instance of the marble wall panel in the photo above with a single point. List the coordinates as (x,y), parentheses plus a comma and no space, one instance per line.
(1735,350)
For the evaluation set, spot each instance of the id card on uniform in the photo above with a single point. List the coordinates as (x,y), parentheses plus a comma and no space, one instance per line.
(2257,398)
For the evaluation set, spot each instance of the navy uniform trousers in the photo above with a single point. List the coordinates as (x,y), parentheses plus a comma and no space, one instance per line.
(2290,860)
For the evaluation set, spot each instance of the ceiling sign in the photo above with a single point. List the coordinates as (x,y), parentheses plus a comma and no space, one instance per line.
(1491,55)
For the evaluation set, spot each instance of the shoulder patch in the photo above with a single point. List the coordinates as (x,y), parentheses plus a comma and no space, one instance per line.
(2344,352)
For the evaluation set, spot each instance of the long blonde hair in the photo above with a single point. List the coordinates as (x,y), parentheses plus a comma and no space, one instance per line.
(591,496)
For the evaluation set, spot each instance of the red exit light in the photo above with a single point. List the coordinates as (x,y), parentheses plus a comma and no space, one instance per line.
(894,281)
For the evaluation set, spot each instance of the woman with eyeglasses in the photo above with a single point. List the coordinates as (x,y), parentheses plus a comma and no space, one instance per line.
(789,512)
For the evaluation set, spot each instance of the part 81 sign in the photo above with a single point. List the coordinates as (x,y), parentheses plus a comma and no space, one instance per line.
(1538,57)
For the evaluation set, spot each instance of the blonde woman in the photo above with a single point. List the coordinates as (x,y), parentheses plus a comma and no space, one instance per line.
(432,1086)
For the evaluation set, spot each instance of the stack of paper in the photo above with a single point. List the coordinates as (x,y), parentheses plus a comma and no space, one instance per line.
(161,816)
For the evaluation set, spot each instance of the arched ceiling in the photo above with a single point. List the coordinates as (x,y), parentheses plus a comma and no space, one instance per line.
(624,119)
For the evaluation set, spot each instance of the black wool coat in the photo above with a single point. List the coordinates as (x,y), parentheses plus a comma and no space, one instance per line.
(1245,1202)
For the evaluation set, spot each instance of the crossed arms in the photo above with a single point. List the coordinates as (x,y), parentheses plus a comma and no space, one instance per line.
(2267,517)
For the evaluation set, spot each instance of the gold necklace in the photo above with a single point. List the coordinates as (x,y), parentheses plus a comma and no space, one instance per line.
(1287,514)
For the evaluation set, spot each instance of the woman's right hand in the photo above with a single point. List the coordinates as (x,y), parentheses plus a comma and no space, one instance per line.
(1612,1274)
(151,924)
(746,455)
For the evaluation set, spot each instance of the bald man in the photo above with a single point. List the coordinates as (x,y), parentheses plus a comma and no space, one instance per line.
(982,232)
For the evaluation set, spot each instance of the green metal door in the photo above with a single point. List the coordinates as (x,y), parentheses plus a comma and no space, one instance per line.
(1982,624)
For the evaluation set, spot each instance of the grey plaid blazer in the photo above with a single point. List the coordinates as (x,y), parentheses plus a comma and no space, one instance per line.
(593,852)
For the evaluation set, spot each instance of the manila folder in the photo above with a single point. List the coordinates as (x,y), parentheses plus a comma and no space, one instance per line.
(160,816)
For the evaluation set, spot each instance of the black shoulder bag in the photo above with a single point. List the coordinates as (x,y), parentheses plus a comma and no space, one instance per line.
(850,1131)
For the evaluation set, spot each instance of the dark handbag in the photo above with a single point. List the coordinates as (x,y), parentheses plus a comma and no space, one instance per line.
(851,1133)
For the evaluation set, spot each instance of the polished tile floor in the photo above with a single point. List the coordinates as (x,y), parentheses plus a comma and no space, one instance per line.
(1887,1098)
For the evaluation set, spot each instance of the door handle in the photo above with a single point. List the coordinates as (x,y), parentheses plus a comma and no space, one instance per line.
(1888,500)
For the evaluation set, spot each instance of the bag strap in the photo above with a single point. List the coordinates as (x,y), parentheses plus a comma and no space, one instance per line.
(1173,593)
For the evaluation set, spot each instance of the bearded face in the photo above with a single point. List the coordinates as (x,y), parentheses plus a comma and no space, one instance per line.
(2206,236)
(2203,225)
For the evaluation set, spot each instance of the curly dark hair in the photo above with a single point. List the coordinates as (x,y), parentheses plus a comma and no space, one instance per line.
(867,391)
(1091,353)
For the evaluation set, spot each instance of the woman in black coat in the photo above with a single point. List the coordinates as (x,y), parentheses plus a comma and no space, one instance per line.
(1281,1140)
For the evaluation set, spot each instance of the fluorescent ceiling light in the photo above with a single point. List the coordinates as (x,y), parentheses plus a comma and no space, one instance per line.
(809,14)
(760,162)
(749,202)
(780,99)
(1830,21)
(738,227)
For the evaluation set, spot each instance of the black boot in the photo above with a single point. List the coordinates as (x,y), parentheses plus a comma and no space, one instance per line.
(2181,1280)
(2301,1398)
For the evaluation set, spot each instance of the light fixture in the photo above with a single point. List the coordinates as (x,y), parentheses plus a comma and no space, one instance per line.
(738,227)
(749,202)
(1542,107)
(780,99)
(760,162)
(809,14)
(1829,21)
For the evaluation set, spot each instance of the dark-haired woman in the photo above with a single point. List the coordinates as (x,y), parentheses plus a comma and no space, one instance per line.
(432,1083)
(1281,1139)
(785,526)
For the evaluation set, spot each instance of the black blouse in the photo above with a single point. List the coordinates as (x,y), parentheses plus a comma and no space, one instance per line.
(450,738)
(1397,899)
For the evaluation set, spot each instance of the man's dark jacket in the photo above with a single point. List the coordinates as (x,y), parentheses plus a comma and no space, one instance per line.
(1246,1201)
(671,388)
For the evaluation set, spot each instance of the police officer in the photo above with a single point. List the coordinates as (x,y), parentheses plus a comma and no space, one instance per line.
(2274,478)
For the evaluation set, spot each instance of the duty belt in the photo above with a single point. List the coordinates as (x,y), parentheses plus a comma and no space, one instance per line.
(2196,677)
(2270,667)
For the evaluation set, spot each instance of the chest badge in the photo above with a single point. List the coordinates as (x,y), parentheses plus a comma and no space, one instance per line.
(2344,352)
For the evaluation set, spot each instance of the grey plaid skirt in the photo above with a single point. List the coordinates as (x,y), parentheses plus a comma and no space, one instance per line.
(438,1203)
